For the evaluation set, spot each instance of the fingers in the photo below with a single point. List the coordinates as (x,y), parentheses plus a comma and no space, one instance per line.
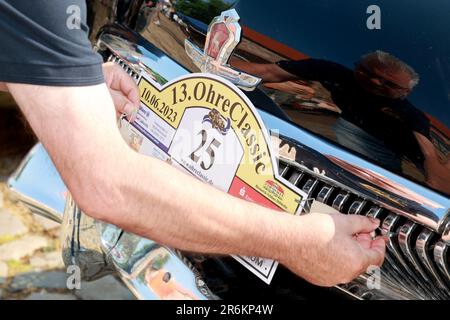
(123,105)
(117,79)
(377,252)
(360,224)
(375,248)
(379,244)
(365,240)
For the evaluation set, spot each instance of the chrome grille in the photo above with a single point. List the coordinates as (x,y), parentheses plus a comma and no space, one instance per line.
(417,262)
(116,59)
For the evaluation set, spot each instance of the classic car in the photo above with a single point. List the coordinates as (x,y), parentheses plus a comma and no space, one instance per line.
(359,96)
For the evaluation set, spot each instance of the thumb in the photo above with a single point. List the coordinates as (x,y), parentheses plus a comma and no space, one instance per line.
(360,224)
(122,104)
(365,240)
(377,252)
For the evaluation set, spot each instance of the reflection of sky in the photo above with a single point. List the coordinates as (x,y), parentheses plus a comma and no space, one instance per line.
(162,64)
(417,32)
(197,24)
(40,181)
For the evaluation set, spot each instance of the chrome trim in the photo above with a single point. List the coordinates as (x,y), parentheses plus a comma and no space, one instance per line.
(375,212)
(37,184)
(344,289)
(128,69)
(219,65)
(152,271)
(390,266)
(340,201)
(423,246)
(406,242)
(392,275)
(391,256)
(340,168)
(205,64)
(81,244)
(284,170)
(110,235)
(441,257)
(325,194)
(357,207)
(99,249)
(310,186)
(358,289)
(394,254)
(446,233)
(296,177)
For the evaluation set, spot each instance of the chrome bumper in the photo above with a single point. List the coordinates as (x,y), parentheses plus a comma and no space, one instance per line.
(148,269)
(37,184)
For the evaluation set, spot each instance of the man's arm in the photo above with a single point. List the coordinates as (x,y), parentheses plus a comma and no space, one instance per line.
(148,197)
(287,70)
(268,72)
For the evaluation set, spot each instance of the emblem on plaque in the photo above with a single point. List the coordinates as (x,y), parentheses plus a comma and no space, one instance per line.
(218,122)
(224,34)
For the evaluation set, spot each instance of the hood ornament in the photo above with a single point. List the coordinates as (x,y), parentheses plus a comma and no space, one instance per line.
(224,34)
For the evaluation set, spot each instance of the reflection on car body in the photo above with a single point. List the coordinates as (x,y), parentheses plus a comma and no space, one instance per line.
(363,123)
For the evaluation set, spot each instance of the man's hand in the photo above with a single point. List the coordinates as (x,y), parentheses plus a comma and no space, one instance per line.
(123,90)
(335,249)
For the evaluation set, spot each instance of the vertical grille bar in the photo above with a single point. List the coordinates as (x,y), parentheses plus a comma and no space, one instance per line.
(425,253)
(441,257)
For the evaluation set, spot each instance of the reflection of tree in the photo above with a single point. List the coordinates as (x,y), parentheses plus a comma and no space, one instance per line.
(155,263)
(141,276)
(132,249)
(203,10)
(159,262)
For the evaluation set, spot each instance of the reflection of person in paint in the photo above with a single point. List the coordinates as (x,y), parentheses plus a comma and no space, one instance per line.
(373,97)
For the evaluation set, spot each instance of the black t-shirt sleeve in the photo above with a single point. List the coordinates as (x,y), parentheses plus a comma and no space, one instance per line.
(45,42)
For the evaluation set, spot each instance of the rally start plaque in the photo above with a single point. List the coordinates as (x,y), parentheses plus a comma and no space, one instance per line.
(206,126)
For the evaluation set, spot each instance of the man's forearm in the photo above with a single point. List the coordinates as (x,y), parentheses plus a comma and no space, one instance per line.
(268,72)
(110,182)
(173,208)
(140,194)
